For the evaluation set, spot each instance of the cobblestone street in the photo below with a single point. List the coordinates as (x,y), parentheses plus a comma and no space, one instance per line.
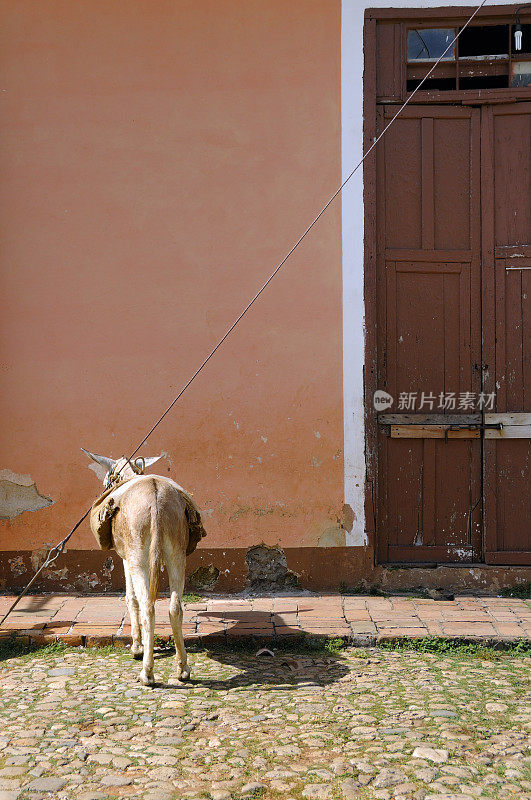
(368,723)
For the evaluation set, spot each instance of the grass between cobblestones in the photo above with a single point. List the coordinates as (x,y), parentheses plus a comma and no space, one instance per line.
(318,721)
(13,646)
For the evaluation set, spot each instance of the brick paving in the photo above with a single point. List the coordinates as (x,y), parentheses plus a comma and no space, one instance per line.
(365,620)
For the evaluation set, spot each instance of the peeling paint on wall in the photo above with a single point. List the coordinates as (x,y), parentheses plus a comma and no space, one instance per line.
(16,565)
(86,582)
(349,517)
(108,566)
(18,493)
(204,577)
(38,556)
(333,536)
(56,573)
(268,568)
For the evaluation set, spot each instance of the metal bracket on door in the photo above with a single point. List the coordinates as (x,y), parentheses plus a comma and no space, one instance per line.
(432,426)
(456,426)
(507,426)
(495,426)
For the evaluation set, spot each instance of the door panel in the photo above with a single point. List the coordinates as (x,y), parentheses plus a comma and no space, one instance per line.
(506,187)
(451,211)
(431,497)
(428,286)
(429,328)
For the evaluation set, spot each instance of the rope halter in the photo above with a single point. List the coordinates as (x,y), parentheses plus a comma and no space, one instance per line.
(114,477)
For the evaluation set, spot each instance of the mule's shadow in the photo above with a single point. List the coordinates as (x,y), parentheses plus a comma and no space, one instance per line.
(284,671)
(295,661)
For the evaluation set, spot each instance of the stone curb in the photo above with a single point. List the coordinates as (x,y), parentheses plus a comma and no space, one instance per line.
(355,640)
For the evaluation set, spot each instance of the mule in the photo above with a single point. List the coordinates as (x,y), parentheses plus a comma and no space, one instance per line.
(151,522)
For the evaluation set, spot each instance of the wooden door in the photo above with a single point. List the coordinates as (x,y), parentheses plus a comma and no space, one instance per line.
(429,311)
(453,294)
(506,203)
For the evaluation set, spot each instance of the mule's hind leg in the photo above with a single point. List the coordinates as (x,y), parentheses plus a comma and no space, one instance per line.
(132,605)
(140,579)
(176,574)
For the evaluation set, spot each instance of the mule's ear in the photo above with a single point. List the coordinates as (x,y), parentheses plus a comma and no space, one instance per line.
(103,461)
(150,461)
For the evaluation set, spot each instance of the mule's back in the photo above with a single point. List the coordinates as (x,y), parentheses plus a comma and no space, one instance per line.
(134,506)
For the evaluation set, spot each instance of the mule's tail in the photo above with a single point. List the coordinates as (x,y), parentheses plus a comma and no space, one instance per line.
(155,552)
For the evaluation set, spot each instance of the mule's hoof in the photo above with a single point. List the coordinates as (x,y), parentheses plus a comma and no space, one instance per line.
(145,679)
(138,655)
(184,674)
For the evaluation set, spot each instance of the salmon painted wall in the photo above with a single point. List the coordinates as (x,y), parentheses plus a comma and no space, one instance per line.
(158,159)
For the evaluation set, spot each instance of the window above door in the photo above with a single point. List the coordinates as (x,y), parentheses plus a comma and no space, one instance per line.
(483,57)
(482,64)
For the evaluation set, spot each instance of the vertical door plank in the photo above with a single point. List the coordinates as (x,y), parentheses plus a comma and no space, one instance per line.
(514,344)
(381,487)
(507,462)
(427,185)
(526,338)
(429,486)
(452,291)
(488,282)
(392,339)
(501,334)
(369,273)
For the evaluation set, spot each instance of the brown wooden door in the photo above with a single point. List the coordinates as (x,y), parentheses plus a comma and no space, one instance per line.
(454,251)
(428,217)
(506,202)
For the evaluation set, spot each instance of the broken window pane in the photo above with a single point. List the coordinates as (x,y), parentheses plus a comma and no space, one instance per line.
(521,76)
(428,44)
(484,82)
(484,41)
(432,84)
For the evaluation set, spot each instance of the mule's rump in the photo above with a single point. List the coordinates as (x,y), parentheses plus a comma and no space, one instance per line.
(107,505)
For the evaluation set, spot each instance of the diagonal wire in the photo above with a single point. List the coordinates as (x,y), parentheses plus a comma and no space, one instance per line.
(56,551)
